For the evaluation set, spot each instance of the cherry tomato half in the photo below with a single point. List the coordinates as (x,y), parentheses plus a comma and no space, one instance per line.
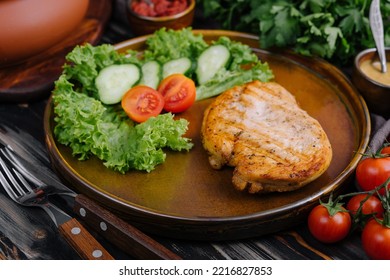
(142,102)
(179,92)
(370,206)
(372,172)
(376,240)
(327,228)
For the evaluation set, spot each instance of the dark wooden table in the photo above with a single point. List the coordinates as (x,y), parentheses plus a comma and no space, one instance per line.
(26,233)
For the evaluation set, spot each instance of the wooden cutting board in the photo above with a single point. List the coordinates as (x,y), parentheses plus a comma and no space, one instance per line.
(34,78)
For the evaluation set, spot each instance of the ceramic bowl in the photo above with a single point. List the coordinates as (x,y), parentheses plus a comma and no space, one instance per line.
(31,27)
(142,25)
(375,92)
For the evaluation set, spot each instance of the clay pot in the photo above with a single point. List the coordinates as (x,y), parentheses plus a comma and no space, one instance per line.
(30,27)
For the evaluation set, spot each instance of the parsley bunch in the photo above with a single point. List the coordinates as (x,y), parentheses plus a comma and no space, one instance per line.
(332,29)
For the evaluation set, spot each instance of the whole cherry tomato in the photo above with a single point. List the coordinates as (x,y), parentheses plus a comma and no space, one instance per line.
(371,205)
(329,225)
(372,172)
(376,240)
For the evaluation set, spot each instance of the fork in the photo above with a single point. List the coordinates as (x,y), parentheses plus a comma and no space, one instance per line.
(26,155)
(19,190)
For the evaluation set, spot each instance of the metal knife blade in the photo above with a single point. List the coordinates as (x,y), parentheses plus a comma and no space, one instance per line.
(117,231)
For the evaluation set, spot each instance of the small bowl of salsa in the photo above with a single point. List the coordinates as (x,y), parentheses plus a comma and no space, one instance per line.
(145,17)
(373,84)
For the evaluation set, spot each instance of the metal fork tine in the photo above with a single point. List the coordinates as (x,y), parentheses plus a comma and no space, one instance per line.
(25,183)
(7,154)
(14,161)
(15,182)
(20,190)
(4,181)
(17,189)
(25,196)
(30,192)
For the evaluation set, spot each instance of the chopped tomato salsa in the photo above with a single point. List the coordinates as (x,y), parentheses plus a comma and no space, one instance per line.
(159,8)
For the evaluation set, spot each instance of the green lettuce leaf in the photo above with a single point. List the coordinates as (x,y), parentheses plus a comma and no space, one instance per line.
(90,128)
(168,44)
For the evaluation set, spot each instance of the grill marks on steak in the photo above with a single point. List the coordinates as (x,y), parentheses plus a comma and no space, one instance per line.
(259,129)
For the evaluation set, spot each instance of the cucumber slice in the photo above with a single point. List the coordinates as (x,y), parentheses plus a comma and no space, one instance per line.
(151,74)
(115,80)
(181,65)
(210,61)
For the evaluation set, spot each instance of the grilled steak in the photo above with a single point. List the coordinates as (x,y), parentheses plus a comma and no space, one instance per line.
(259,129)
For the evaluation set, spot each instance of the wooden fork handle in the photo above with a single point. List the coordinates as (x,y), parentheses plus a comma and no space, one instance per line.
(83,242)
(119,232)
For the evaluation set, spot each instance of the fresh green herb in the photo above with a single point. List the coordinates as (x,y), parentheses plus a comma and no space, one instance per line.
(334,30)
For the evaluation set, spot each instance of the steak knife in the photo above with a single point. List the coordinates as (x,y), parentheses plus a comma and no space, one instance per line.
(31,163)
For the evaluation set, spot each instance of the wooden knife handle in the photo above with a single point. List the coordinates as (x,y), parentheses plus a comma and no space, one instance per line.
(83,242)
(119,232)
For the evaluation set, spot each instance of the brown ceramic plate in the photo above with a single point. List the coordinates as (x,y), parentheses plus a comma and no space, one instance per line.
(34,78)
(186,198)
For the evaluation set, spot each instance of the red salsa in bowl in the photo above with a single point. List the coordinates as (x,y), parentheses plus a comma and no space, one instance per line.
(158,8)
(146,18)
